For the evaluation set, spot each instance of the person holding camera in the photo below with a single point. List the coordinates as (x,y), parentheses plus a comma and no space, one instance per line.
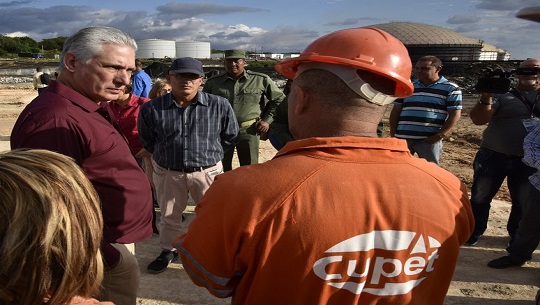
(425,118)
(501,152)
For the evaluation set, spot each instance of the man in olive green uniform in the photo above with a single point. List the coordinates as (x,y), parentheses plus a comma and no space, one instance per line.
(245,90)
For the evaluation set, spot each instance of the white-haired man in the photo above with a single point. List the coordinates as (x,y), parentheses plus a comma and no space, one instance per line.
(96,65)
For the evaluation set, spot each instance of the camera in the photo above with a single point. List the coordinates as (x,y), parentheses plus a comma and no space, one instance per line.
(494,81)
(527,71)
(499,81)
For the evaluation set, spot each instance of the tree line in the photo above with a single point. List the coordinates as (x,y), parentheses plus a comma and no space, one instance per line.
(12,46)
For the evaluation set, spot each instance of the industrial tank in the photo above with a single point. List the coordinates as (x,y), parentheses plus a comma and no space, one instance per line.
(424,39)
(195,49)
(156,48)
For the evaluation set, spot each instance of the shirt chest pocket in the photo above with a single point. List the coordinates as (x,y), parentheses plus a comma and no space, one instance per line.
(249,96)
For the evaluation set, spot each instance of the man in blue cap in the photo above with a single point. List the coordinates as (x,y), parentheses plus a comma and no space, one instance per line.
(187,132)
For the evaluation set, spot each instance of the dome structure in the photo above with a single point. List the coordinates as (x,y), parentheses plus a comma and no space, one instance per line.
(424,39)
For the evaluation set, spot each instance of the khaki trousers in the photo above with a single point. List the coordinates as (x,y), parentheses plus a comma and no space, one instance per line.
(121,284)
(173,189)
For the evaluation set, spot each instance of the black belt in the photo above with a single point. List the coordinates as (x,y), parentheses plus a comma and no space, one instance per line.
(509,156)
(513,156)
(190,169)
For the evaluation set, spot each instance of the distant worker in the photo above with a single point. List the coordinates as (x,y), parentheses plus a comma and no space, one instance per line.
(142,83)
(245,90)
(427,117)
(39,80)
(339,216)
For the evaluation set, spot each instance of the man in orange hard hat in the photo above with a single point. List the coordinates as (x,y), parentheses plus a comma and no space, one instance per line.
(339,216)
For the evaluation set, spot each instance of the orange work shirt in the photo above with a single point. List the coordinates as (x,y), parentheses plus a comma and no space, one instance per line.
(343,220)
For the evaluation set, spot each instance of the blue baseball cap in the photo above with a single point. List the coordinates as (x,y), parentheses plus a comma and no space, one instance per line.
(186,65)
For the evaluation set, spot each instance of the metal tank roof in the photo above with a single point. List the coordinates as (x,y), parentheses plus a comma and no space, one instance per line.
(419,34)
(156,48)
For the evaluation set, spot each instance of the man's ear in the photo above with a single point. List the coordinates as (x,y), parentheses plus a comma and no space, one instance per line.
(70,62)
(302,99)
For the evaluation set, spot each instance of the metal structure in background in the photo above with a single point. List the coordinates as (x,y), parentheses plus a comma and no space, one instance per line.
(424,39)
(195,49)
(156,48)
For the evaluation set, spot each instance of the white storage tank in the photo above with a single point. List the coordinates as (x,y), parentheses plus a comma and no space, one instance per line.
(195,49)
(156,48)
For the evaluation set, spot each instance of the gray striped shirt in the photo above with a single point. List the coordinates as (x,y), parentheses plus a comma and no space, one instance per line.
(187,137)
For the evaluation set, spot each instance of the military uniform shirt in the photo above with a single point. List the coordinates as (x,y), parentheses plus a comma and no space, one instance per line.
(246,94)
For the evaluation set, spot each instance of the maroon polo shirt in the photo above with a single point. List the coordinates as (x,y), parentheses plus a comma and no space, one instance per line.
(63,120)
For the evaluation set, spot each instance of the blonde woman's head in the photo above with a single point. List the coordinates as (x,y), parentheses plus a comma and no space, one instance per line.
(159,88)
(50,229)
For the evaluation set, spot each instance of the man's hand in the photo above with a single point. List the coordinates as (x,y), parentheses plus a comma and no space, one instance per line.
(262,126)
(434,138)
(486,98)
(143,153)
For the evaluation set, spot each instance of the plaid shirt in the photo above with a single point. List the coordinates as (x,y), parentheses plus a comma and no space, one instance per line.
(194,136)
(531,147)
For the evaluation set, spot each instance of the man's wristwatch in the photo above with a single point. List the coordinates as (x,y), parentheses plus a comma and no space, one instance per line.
(484,103)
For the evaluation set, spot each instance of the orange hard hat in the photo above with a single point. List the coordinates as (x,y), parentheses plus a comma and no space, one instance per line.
(364,48)
(529,13)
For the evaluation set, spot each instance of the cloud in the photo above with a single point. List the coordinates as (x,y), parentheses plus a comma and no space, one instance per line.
(492,21)
(469,28)
(284,39)
(505,5)
(181,24)
(351,21)
(513,36)
(188,10)
(54,21)
(461,19)
(14,3)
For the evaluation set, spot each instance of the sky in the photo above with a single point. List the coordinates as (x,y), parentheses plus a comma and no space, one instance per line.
(276,26)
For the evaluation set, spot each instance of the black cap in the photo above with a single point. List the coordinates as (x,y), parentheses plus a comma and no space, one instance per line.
(186,65)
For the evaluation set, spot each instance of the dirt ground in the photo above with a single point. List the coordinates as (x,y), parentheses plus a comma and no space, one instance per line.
(473,283)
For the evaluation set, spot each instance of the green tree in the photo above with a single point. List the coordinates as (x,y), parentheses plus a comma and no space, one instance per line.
(16,45)
(9,44)
(27,44)
(53,44)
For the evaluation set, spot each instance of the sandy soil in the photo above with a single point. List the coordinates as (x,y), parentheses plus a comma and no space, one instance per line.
(474,282)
